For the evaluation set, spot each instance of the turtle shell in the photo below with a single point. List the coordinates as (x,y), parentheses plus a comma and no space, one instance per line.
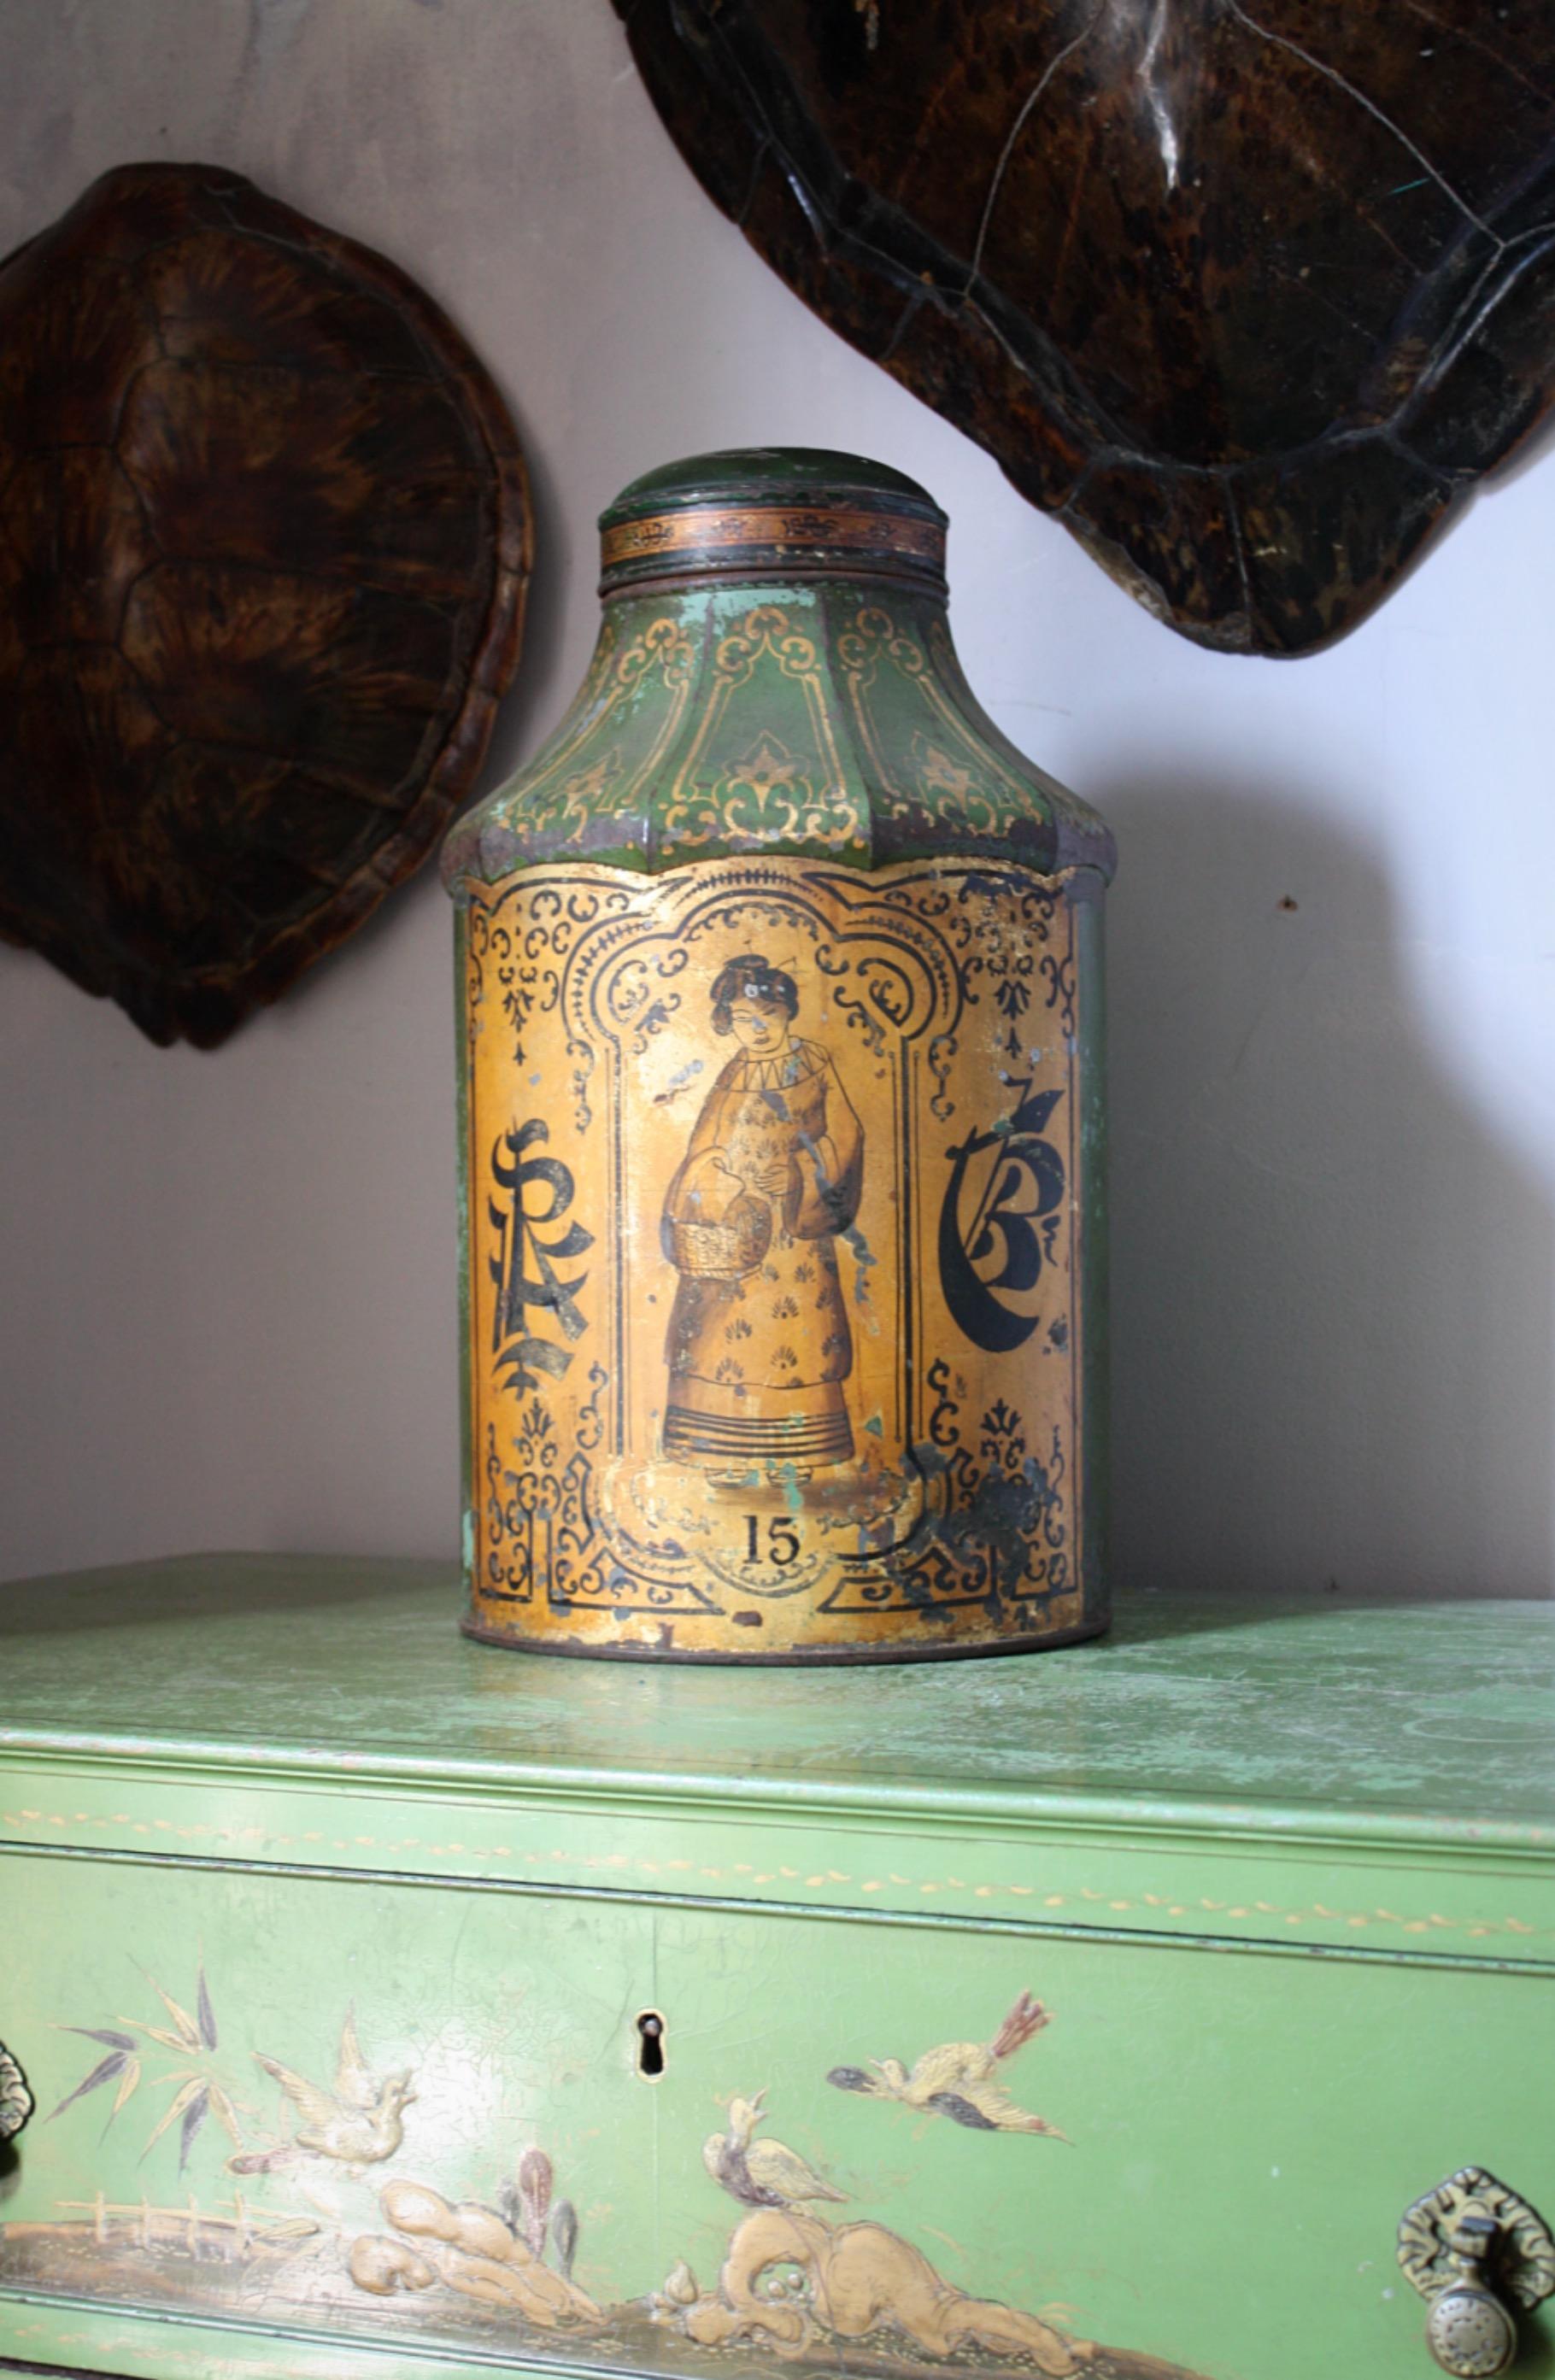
(264,539)
(1246,293)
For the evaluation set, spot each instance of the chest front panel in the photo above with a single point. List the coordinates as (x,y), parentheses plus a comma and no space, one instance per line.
(607,2132)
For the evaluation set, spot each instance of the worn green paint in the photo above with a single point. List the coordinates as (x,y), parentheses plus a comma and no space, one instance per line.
(458,1186)
(1284,1875)
(603,785)
(1424,1723)
(1010,808)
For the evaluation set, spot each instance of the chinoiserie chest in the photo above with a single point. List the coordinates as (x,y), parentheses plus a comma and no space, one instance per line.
(373,2004)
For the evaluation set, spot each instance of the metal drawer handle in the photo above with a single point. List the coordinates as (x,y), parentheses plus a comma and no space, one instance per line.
(1466,2246)
(16,2099)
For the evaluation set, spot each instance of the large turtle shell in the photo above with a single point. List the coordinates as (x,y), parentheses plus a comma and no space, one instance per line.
(1245,292)
(264,537)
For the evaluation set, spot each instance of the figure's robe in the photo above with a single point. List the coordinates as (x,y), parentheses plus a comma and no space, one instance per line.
(759,1343)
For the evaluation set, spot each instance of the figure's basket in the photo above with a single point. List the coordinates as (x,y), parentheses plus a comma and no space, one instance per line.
(723,1251)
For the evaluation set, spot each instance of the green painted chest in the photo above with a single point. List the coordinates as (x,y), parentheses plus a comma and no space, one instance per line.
(394,2005)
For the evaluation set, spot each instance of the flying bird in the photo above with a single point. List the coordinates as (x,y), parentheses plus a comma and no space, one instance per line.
(358,2123)
(760,2173)
(960,2078)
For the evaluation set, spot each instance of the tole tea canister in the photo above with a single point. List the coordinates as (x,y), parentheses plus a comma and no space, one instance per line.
(782,1116)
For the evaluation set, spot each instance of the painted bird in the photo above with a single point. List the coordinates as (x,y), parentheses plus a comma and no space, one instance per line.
(760,2173)
(358,2123)
(959,2079)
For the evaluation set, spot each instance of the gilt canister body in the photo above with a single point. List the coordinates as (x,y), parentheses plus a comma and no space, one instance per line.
(782,1119)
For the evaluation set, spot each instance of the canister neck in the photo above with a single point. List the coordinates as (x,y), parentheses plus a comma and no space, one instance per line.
(759,514)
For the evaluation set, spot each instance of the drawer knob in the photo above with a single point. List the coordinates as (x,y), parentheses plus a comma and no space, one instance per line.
(1467,2246)
(16,2099)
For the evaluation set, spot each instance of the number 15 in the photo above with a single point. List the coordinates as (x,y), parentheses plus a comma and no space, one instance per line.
(782,1540)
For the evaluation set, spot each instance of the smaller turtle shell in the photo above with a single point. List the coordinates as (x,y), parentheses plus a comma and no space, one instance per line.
(264,540)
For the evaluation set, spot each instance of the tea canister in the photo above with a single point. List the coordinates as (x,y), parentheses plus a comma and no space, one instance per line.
(781,1117)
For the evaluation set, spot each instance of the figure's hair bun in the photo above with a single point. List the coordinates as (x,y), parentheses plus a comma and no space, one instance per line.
(752,977)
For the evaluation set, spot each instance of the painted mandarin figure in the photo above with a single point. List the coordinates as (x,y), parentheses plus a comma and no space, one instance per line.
(782,1115)
(758,1344)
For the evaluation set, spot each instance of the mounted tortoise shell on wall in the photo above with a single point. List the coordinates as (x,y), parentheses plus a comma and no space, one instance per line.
(264,537)
(1246,295)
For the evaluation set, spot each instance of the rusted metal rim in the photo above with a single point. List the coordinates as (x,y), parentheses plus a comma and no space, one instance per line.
(737,540)
(827,1656)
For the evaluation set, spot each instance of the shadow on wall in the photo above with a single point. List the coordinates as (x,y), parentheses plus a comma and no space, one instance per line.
(1331,1279)
(539,694)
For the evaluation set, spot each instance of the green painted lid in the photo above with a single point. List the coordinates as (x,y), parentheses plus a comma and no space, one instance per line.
(782,475)
(760,512)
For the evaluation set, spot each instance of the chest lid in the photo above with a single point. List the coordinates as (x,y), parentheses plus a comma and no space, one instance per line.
(1311,1721)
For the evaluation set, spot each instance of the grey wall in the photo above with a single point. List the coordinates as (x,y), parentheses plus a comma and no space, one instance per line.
(226,1281)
